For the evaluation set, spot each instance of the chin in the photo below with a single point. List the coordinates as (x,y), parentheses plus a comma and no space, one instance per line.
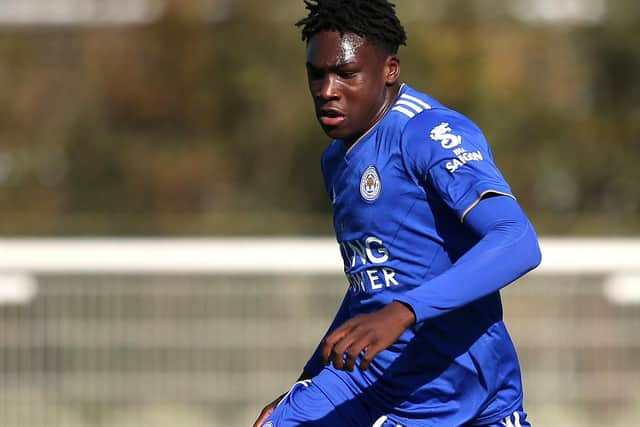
(336,132)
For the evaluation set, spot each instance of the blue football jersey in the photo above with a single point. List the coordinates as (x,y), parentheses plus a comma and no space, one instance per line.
(400,195)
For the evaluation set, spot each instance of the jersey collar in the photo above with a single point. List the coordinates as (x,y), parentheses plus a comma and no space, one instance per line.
(382,116)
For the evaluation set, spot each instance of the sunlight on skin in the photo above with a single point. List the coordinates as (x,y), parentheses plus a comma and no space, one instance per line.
(350,45)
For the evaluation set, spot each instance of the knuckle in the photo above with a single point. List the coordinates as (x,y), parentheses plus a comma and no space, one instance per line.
(367,357)
(346,325)
(328,340)
(341,347)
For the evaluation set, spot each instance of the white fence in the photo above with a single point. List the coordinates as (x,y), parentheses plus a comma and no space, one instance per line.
(202,332)
(245,256)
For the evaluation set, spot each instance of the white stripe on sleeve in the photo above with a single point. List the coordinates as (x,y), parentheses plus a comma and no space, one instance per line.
(416,100)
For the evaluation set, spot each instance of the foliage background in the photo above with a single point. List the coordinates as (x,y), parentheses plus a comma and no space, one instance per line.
(200,122)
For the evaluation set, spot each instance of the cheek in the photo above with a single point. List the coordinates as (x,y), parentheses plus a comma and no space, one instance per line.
(370,96)
(313,86)
(358,88)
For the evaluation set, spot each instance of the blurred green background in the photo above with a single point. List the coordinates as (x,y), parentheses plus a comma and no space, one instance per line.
(192,118)
(197,120)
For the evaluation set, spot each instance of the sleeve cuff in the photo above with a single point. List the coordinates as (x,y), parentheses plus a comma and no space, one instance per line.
(471,199)
(422,313)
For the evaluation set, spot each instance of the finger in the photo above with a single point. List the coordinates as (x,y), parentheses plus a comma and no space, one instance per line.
(348,349)
(339,350)
(360,338)
(332,339)
(367,357)
(357,349)
(350,359)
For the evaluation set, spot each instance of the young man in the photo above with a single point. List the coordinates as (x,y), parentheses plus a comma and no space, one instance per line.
(429,232)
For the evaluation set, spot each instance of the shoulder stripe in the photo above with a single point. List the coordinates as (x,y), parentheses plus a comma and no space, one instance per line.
(411,105)
(416,100)
(404,111)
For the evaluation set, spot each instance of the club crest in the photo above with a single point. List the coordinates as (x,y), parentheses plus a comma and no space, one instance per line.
(370,184)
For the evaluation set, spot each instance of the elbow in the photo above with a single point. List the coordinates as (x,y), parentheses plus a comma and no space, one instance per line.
(534,254)
(536,257)
(524,250)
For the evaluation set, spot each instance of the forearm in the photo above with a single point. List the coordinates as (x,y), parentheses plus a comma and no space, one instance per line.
(507,250)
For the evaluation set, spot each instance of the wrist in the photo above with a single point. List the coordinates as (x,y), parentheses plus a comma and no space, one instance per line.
(404,313)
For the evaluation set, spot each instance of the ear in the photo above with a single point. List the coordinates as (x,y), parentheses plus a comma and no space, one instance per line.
(391,70)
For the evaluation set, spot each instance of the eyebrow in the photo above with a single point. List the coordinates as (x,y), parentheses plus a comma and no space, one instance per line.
(333,67)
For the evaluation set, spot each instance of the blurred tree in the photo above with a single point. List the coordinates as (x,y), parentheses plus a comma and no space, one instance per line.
(201,123)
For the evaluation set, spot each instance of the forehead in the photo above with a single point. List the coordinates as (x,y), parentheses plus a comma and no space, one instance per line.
(330,48)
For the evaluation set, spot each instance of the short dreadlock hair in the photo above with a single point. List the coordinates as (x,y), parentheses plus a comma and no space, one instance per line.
(374,20)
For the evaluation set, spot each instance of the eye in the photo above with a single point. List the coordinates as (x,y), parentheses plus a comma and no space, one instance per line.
(346,74)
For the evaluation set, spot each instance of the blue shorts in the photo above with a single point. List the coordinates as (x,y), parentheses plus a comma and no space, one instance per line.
(307,405)
(517,419)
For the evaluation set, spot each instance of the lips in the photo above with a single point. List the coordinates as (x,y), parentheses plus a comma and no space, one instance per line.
(331,117)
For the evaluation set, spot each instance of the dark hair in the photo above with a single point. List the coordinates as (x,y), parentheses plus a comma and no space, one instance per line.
(374,20)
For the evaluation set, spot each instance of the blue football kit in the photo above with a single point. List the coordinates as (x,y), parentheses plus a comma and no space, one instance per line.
(422,216)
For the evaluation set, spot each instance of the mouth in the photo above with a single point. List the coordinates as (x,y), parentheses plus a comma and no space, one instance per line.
(331,117)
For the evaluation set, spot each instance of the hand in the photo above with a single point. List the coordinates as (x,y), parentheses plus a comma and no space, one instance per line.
(267,410)
(366,335)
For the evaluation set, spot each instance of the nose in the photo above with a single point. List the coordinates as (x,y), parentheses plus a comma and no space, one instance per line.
(328,90)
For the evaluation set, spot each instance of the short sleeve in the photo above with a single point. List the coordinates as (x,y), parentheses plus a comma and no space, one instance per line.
(447,153)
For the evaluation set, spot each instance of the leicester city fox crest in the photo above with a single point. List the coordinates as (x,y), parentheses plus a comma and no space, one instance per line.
(370,184)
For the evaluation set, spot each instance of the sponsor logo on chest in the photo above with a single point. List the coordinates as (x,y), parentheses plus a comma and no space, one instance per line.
(366,265)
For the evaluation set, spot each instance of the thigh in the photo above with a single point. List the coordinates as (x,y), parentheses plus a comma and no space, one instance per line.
(307,405)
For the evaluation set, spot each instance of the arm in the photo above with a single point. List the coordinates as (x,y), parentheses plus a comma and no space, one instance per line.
(471,185)
(507,249)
